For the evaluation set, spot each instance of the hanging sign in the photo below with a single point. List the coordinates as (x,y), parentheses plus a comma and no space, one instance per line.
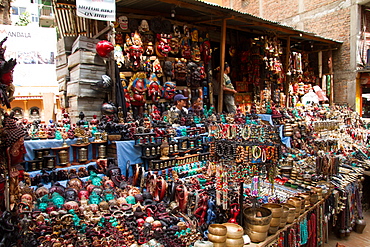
(103,10)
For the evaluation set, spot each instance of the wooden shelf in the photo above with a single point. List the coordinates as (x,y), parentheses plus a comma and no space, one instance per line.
(272,238)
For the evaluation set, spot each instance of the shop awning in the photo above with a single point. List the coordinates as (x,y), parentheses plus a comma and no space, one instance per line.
(200,13)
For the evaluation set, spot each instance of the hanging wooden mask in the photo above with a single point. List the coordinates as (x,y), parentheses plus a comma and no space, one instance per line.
(180,69)
(162,45)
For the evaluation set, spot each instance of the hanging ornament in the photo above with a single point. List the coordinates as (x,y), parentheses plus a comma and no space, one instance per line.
(103,48)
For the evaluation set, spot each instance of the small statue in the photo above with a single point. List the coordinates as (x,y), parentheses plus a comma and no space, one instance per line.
(94,121)
(82,122)
(164,150)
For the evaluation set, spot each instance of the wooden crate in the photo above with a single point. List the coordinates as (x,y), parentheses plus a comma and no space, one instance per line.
(90,106)
(63,99)
(82,89)
(87,72)
(84,43)
(84,57)
(62,85)
(62,72)
(64,44)
(61,60)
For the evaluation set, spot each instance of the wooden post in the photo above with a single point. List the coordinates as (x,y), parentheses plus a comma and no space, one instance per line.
(222,66)
(112,63)
(331,98)
(287,80)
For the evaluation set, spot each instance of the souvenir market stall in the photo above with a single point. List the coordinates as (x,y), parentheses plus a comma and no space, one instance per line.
(225,183)
(117,169)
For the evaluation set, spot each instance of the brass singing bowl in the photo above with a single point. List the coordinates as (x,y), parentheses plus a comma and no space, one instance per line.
(276,209)
(256,237)
(234,242)
(296,202)
(256,228)
(219,244)
(217,229)
(216,238)
(250,215)
(285,212)
(234,230)
(282,224)
(275,222)
(273,229)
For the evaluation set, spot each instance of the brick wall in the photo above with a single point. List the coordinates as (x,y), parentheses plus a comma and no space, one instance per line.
(327,18)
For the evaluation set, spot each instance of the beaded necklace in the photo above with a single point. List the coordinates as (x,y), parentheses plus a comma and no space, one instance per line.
(303,231)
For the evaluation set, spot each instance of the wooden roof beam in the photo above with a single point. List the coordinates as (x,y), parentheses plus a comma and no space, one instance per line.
(194,7)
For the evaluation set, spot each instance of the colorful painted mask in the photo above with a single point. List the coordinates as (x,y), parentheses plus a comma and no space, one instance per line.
(169,89)
(175,46)
(195,53)
(180,70)
(138,89)
(123,22)
(154,88)
(162,45)
(144,26)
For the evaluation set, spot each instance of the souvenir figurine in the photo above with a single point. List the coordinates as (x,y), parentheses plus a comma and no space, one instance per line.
(169,90)
(154,90)
(118,55)
(162,46)
(195,53)
(194,35)
(123,22)
(205,49)
(82,122)
(149,49)
(6,77)
(157,68)
(94,121)
(176,31)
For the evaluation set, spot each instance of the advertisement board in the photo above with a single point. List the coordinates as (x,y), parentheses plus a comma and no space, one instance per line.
(34,48)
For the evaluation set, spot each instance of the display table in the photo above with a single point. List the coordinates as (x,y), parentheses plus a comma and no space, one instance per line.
(126,152)
(49,143)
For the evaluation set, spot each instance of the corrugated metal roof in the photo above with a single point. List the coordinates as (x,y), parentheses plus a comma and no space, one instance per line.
(204,11)
(200,12)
